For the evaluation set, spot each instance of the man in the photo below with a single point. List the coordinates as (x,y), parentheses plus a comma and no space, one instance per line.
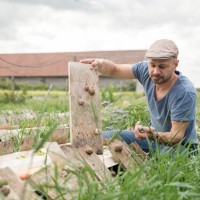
(171,98)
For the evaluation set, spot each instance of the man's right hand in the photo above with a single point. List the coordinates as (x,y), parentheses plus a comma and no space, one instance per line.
(143,132)
(94,62)
(109,68)
(104,66)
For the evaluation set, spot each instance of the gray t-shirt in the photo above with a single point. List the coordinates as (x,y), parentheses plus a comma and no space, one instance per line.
(179,104)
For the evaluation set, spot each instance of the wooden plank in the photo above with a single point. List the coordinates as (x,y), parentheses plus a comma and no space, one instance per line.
(142,156)
(27,143)
(18,189)
(6,147)
(72,156)
(92,159)
(59,135)
(67,175)
(44,182)
(43,179)
(85,115)
(55,153)
(25,162)
(122,154)
(107,158)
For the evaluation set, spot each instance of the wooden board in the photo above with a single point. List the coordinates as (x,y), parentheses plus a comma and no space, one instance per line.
(59,135)
(140,155)
(18,189)
(55,153)
(67,175)
(123,156)
(101,171)
(25,162)
(85,114)
(43,181)
(50,157)
(72,156)
(107,158)
(6,147)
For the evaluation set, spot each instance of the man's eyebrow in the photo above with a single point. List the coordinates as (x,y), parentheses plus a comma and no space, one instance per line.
(165,64)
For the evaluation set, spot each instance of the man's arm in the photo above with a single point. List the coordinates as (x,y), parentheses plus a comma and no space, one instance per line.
(109,68)
(171,138)
(175,135)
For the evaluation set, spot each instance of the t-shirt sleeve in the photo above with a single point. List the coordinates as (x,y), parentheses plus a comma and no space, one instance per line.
(140,71)
(183,107)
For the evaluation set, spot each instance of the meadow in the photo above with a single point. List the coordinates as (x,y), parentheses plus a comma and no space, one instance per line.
(162,176)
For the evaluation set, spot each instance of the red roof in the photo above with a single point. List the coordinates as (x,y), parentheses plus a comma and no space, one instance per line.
(55,64)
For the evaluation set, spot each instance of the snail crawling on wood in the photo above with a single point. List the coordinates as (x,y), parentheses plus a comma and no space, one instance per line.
(118,148)
(81,102)
(91,91)
(4,187)
(89,150)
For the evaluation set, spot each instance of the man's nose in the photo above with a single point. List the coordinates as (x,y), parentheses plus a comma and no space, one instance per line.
(156,70)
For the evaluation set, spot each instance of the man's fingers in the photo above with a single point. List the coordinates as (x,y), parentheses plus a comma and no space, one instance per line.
(139,127)
(138,123)
(87,61)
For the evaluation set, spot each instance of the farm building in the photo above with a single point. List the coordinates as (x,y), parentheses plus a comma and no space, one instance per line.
(52,68)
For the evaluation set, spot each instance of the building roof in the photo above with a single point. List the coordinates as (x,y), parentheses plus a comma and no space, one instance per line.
(55,64)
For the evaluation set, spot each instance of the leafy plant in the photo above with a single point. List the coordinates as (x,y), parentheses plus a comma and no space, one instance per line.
(107,94)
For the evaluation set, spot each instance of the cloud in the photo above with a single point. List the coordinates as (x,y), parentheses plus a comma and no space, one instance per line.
(92,5)
(82,25)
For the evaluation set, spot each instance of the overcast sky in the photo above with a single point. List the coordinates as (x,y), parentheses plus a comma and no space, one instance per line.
(83,25)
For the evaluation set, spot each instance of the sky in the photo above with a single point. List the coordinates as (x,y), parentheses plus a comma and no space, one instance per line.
(37,26)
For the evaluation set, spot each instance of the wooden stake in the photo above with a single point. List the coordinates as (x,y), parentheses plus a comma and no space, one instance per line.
(85,115)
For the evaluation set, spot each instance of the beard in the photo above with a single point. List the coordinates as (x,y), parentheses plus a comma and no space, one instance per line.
(159,79)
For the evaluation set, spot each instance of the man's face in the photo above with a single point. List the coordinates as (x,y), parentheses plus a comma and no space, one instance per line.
(161,70)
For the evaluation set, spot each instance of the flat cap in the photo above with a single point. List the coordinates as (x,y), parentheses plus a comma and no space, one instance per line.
(162,49)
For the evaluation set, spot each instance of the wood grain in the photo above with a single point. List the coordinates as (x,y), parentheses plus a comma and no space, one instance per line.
(85,114)
(18,189)
(123,157)
(101,171)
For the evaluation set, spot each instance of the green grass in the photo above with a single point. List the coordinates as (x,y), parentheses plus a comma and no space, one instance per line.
(163,176)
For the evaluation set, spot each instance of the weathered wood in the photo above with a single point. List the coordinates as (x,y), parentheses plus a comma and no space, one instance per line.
(55,183)
(18,189)
(67,175)
(92,159)
(55,153)
(6,147)
(59,135)
(25,162)
(142,156)
(28,162)
(27,143)
(72,156)
(85,115)
(107,158)
(122,154)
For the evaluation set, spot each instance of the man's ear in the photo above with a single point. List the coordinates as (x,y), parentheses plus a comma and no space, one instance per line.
(176,62)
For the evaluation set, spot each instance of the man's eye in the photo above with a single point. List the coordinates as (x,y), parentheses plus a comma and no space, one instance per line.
(162,67)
